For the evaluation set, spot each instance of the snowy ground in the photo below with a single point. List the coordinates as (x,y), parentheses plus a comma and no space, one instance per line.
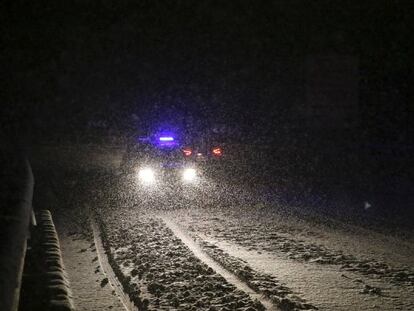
(302,273)
(223,247)
(330,268)
(163,272)
(292,261)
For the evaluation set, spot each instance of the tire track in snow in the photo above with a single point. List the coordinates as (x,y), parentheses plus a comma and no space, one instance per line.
(327,286)
(107,269)
(276,238)
(230,277)
(160,271)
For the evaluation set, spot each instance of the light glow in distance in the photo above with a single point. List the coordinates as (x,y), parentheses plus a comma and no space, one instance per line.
(146,175)
(189,174)
(166,138)
(217,151)
(187,152)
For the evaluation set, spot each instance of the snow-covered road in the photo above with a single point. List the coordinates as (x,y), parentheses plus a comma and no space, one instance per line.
(331,268)
(279,260)
(226,249)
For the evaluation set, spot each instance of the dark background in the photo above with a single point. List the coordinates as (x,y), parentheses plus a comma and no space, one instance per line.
(79,69)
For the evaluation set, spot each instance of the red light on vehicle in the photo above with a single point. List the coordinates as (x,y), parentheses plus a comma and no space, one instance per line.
(217,151)
(187,152)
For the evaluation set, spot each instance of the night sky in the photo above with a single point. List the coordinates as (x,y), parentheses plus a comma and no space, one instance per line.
(66,64)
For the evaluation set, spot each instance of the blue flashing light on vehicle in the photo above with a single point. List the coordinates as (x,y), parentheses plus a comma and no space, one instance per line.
(166,138)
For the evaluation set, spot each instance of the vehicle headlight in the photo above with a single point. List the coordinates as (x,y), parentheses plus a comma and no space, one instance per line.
(189,174)
(146,175)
